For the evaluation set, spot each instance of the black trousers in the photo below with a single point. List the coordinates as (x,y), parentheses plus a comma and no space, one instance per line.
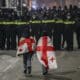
(68,36)
(27,60)
(2,39)
(78,36)
(57,37)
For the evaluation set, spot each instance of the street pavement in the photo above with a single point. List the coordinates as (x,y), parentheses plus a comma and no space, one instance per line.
(11,67)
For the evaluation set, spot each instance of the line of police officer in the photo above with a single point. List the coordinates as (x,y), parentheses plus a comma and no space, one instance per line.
(64,23)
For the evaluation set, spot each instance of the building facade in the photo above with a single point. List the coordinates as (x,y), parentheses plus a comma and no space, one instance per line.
(48,3)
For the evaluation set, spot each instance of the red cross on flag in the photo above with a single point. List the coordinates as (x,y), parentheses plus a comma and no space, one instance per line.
(26,45)
(46,53)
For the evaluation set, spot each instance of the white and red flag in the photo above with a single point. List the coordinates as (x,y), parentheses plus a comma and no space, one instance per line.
(46,53)
(26,45)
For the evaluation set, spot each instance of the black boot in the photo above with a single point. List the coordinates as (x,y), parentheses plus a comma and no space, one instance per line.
(25,71)
(29,70)
(45,71)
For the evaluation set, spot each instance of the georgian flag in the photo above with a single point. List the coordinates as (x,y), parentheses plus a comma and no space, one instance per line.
(46,53)
(26,45)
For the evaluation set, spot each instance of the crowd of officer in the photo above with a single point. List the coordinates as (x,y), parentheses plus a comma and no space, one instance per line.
(65,22)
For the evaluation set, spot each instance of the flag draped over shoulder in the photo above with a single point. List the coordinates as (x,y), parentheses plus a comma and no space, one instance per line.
(26,45)
(46,53)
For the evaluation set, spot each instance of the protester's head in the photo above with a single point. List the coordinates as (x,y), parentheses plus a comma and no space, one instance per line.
(26,34)
(44,33)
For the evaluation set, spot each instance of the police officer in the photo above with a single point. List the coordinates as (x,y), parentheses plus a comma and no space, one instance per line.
(56,30)
(78,34)
(77,24)
(13,32)
(2,31)
(46,25)
(13,37)
(8,36)
(68,33)
(2,37)
(36,26)
(59,28)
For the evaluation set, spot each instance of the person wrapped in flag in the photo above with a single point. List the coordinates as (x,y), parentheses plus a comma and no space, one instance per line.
(46,53)
(26,48)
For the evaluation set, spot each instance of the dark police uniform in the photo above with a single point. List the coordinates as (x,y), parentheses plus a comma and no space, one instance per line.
(77,30)
(36,27)
(13,31)
(77,24)
(68,33)
(57,31)
(8,36)
(78,34)
(2,37)
(13,37)
(46,25)
(59,28)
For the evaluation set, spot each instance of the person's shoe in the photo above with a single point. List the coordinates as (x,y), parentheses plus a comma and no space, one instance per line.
(29,70)
(45,73)
(79,47)
(25,71)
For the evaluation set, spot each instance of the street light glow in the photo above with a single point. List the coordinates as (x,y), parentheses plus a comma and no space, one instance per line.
(34,4)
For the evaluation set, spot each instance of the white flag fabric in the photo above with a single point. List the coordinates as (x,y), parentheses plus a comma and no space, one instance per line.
(26,45)
(46,53)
